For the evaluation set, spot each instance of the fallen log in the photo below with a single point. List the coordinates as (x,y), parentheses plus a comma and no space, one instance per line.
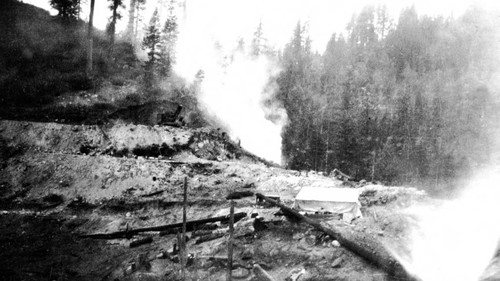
(141,241)
(363,245)
(209,237)
(196,229)
(239,195)
(214,258)
(261,273)
(199,233)
(158,192)
(190,226)
(170,231)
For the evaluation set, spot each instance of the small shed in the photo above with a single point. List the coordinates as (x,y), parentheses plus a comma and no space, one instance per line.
(329,199)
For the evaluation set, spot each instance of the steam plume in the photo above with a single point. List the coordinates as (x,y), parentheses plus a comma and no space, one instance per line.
(457,239)
(234,90)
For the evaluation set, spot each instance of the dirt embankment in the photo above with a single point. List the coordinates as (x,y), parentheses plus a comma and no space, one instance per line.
(59,181)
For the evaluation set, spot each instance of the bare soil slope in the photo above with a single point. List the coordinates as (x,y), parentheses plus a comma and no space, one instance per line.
(61,181)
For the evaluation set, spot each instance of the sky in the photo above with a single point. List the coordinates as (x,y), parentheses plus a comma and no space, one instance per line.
(229,20)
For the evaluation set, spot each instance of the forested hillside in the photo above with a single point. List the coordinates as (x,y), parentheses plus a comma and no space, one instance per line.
(45,56)
(406,101)
(128,151)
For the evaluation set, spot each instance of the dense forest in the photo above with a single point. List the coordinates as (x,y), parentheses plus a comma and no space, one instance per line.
(407,100)
(411,101)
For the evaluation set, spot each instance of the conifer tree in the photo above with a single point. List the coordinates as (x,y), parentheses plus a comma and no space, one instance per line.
(114,6)
(151,43)
(67,9)
(168,41)
(257,41)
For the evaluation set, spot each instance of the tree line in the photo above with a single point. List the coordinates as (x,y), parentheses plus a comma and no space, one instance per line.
(398,101)
(406,101)
(158,40)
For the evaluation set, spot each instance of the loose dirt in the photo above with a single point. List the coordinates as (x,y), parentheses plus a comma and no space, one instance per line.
(61,181)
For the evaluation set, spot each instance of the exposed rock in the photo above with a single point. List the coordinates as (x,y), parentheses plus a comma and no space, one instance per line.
(337,262)
(247,254)
(240,273)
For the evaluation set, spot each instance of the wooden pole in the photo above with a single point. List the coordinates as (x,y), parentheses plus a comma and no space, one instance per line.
(90,39)
(184,220)
(179,251)
(230,244)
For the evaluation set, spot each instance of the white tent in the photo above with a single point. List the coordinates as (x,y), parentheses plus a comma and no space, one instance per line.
(329,199)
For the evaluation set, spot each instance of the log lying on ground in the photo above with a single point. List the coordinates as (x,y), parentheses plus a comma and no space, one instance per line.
(239,195)
(190,226)
(141,241)
(261,273)
(364,245)
(158,192)
(195,229)
(198,233)
(209,237)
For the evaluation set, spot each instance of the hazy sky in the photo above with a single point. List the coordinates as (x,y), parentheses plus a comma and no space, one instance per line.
(228,20)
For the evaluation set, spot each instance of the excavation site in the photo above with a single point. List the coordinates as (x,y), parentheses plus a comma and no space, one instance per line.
(249,140)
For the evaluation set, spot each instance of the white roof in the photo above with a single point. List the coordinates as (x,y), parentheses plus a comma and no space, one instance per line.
(328,194)
(329,199)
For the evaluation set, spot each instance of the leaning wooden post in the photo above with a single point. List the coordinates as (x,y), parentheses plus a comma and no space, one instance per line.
(183,243)
(230,243)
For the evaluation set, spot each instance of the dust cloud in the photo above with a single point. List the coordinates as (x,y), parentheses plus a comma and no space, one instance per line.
(235,90)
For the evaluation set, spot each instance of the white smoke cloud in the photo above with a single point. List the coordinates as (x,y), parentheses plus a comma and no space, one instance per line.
(233,89)
(457,239)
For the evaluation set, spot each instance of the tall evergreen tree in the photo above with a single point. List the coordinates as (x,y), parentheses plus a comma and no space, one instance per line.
(403,103)
(168,40)
(90,38)
(136,7)
(129,33)
(151,43)
(258,41)
(114,6)
(68,10)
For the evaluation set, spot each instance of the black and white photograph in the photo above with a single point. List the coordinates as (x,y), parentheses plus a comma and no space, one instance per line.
(249,140)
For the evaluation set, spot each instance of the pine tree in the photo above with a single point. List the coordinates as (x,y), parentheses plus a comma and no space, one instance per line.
(90,38)
(68,9)
(151,43)
(129,33)
(240,47)
(383,25)
(168,41)
(258,41)
(136,7)
(114,6)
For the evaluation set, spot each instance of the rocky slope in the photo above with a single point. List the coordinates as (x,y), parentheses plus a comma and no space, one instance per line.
(60,181)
